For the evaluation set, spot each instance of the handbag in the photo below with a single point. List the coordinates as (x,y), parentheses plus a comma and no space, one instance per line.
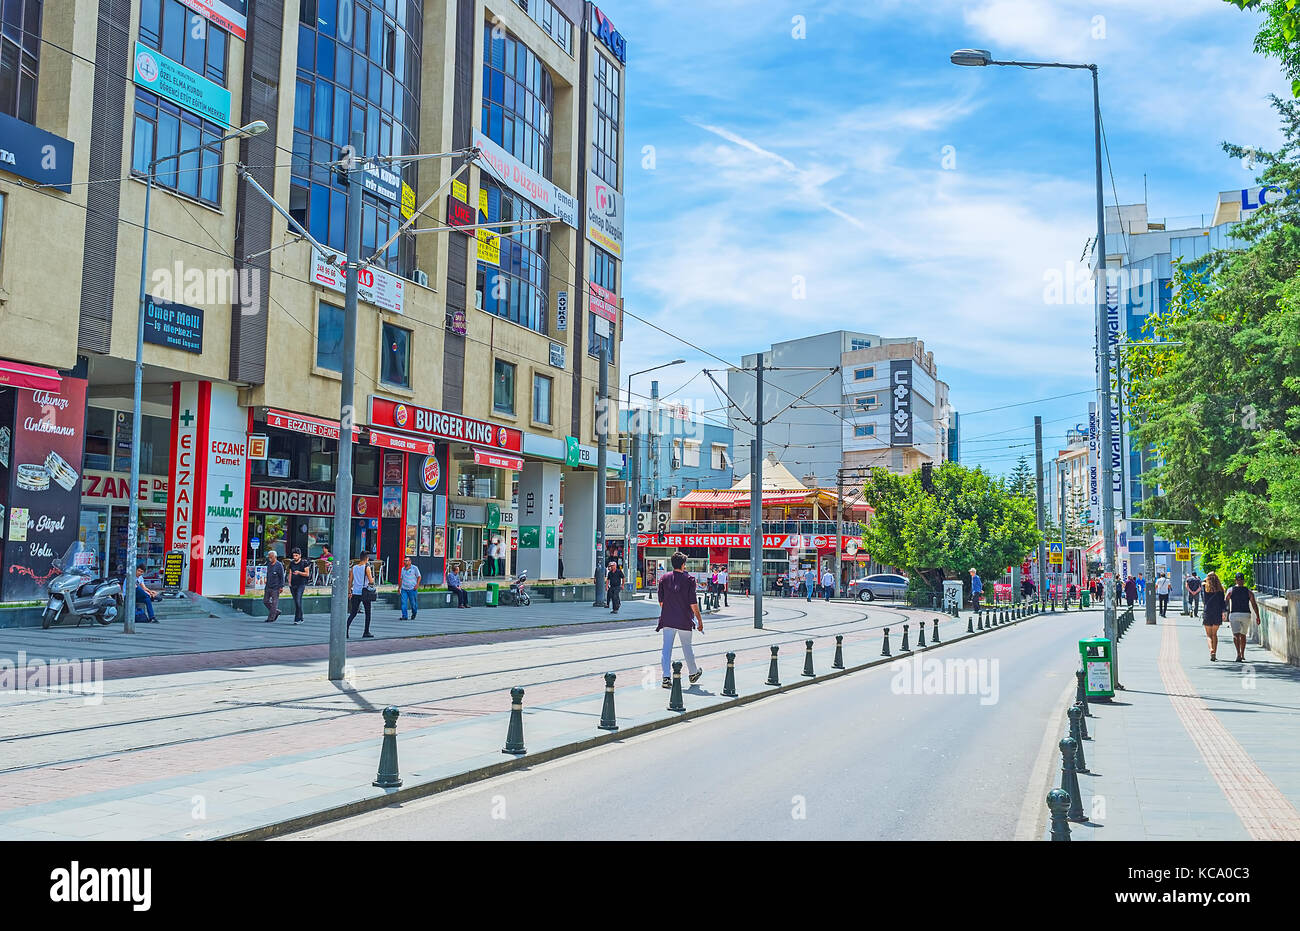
(368,594)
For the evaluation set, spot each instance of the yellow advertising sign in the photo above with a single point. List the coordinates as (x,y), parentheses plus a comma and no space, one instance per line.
(408,201)
(1183,553)
(489,243)
(460,191)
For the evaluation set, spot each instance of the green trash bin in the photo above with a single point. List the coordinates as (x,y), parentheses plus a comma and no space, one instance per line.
(1098,659)
(1085,599)
(493,595)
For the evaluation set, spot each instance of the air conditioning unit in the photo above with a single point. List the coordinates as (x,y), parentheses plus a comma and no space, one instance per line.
(420,277)
(647,501)
(672,491)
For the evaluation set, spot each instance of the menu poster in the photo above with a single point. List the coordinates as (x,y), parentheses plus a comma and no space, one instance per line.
(412,539)
(392,468)
(426,543)
(44,484)
(412,523)
(460,543)
(440,541)
(392,506)
(426,525)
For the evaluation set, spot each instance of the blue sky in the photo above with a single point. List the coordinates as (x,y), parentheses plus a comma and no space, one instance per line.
(822,157)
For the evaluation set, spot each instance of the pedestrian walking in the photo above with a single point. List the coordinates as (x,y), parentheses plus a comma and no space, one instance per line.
(614,586)
(679,613)
(1163,587)
(976,589)
(810,580)
(362,590)
(1215,599)
(1192,604)
(453,586)
(1142,589)
(1071,593)
(828,584)
(779,586)
(497,557)
(299,576)
(723,582)
(1241,604)
(275,579)
(1130,590)
(408,588)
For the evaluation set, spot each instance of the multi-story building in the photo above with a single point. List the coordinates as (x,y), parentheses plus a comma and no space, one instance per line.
(1141,253)
(678,451)
(886,407)
(477,351)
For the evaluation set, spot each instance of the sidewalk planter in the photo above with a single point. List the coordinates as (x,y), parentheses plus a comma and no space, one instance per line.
(29,616)
(1279,628)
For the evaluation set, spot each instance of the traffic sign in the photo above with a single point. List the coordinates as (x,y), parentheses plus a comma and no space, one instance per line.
(1054,557)
(1183,551)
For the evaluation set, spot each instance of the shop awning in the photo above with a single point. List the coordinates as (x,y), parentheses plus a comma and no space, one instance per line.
(714,498)
(302,423)
(407,444)
(18,375)
(497,460)
(1095,549)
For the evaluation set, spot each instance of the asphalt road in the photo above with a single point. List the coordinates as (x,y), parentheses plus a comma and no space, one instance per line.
(864,757)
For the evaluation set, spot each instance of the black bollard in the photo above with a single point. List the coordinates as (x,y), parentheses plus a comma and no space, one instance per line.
(1083,723)
(1058,803)
(838,662)
(387,777)
(675,696)
(515,732)
(772,677)
(729,683)
(1070,780)
(934,633)
(920,636)
(1081,694)
(904,648)
(1080,763)
(970,628)
(885,650)
(608,721)
(807,659)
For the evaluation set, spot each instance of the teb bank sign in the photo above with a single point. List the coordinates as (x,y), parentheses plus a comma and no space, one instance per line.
(605,31)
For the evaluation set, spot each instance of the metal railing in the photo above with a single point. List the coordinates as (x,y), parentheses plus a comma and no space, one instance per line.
(1276,573)
(812,527)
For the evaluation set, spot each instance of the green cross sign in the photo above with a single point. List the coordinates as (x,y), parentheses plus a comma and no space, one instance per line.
(187,418)
(226,494)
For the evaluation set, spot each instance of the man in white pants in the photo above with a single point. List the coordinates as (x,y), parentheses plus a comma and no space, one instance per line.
(722,586)
(679,612)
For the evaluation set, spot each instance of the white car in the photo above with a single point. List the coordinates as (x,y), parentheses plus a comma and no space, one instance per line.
(886,585)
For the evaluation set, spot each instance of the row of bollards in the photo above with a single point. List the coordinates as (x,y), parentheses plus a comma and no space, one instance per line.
(1066,802)
(388,776)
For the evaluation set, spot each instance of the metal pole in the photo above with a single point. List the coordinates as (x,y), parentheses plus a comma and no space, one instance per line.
(634,514)
(1065,581)
(347,417)
(602,452)
(1103,359)
(629,525)
(839,517)
(756,503)
(137,400)
(1042,518)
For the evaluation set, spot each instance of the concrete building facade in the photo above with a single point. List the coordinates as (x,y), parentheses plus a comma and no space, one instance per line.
(477,350)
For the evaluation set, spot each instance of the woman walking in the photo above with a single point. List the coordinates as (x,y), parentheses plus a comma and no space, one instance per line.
(1241,603)
(1214,601)
(678,614)
(362,580)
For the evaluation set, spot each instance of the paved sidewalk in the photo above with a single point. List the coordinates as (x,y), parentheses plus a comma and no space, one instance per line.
(1193,750)
(211,753)
(245,632)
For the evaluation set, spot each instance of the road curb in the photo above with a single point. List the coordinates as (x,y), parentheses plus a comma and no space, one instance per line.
(446,783)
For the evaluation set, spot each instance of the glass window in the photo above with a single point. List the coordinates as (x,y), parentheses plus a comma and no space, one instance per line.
(503,388)
(868,430)
(395,358)
(99,439)
(541,399)
(862,374)
(604,145)
(516,288)
(329,337)
(691,455)
(19,56)
(529,105)
(183,36)
(161,129)
(867,403)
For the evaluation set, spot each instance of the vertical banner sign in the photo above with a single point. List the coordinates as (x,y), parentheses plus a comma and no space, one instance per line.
(1116,451)
(1094,440)
(45,485)
(900,402)
(184,467)
(224,523)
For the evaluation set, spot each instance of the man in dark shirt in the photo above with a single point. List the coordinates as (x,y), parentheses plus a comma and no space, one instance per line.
(614,587)
(299,576)
(274,583)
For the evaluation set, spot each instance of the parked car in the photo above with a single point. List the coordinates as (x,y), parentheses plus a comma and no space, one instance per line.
(886,585)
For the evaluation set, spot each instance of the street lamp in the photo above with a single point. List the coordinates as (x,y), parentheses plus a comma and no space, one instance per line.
(255,128)
(980,58)
(630,516)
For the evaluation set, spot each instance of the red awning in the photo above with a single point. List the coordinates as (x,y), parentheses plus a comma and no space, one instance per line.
(498,460)
(407,444)
(714,498)
(302,423)
(18,375)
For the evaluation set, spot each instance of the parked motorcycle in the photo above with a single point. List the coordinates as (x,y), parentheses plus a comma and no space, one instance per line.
(519,590)
(77,592)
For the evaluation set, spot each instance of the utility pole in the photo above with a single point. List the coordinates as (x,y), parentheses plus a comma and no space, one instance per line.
(634,505)
(1042,521)
(756,502)
(1148,543)
(1064,556)
(602,453)
(347,417)
(839,518)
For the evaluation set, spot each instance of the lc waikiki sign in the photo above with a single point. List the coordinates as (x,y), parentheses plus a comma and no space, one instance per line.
(206,507)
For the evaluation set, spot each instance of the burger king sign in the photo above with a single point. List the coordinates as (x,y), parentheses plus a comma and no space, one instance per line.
(431,473)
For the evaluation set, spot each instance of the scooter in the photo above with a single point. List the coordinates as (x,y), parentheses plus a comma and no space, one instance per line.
(74,592)
(519,589)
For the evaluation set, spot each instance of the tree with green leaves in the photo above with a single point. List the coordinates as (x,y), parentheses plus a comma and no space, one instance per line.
(1021,480)
(1279,35)
(969,520)
(1221,407)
